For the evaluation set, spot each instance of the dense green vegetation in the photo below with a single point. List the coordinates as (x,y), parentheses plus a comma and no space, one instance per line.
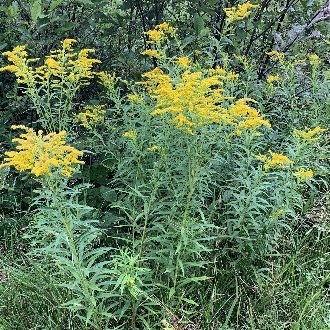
(164,165)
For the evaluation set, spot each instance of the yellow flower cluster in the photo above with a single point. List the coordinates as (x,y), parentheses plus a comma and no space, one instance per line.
(314,60)
(277,161)
(271,78)
(303,175)
(92,116)
(153,148)
(133,98)
(193,99)
(152,52)
(308,135)
(184,61)
(62,64)
(240,12)
(160,32)
(246,117)
(130,135)
(18,56)
(107,79)
(279,55)
(42,154)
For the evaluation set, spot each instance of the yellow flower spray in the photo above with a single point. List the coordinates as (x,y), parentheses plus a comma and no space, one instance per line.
(42,155)
(53,85)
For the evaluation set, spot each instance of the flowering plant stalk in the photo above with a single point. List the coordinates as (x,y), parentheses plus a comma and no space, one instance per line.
(60,231)
(52,86)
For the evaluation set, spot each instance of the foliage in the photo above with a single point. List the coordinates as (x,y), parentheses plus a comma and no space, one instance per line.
(177,179)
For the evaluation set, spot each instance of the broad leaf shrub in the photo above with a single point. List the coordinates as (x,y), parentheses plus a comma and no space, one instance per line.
(200,186)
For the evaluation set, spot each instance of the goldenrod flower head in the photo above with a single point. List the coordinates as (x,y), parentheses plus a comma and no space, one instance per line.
(19,66)
(67,44)
(232,76)
(246,117)
(42,154)
(166,27)
(314,60)
(303,175)
(133,98)
(152,52)
(308,134)
(183,61)
(190,100)
(276,161)
(107,79)
(130,134)
(279,55)
(52,67)
(242,59)
(271,78)
(73,67)
(153,148)
(240,12)
(92,116)
(159,32)
(220,71)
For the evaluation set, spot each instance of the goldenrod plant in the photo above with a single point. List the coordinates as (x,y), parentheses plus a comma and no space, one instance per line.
(180,189)
(52,86)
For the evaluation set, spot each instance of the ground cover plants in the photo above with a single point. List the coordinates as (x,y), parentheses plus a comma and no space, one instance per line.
(182,184)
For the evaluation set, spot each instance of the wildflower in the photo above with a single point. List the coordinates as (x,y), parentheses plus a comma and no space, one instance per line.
(308,135)
(107,79)
(93,115)
(190,100)
(220,71)
(303,175)
(277,161)
(42,154)
(19,66)
(232,76)
(182,120)
(183,61)
(159,32)
(76,68)
(271,78)
(133,98)
(81,68)
(67,44)
(240,12)
(246,117)
(153,148)
(155,35)
(252,123)
(314,60)
(242,59)
(152,52)
(52,67)
(130,134)
(279,55)
(166,27)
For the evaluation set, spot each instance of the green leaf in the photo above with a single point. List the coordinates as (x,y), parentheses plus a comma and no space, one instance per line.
(67,27)
(189,301)
(13,9)
(171,293)
(55,4)
(198,24)
(36,10)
